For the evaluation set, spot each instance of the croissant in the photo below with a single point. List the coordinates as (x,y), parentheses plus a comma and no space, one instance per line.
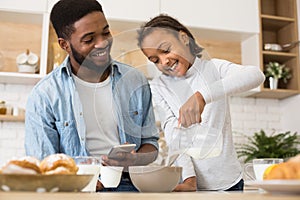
(286,170)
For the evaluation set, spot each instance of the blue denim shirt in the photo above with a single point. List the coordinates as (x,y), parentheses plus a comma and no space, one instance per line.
(54,115)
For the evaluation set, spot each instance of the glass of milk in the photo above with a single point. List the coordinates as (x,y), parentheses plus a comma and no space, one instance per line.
(89,165)
(259,166)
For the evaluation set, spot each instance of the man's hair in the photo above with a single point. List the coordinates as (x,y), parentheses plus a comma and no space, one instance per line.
(66,12)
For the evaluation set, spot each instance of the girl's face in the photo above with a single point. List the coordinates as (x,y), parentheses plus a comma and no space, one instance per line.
(169,53)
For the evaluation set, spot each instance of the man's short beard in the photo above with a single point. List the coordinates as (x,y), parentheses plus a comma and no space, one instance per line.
(83,62)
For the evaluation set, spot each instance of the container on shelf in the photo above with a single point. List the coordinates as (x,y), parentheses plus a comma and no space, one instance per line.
(2,108)
(27,62)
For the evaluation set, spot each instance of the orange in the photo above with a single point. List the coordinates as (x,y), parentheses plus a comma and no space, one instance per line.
(268,170)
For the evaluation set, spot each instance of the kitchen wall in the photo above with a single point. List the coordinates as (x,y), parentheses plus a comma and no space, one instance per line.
(12,133)
(290,118)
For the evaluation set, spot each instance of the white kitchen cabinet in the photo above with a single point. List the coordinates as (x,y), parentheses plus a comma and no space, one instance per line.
(51,4)
(233,16)
(234,20)
(130,10)
(31,6)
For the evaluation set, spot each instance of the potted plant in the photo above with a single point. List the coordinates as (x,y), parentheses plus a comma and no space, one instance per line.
(275,71)
(277,145)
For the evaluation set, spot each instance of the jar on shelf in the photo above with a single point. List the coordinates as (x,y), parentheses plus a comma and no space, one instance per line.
(2,108)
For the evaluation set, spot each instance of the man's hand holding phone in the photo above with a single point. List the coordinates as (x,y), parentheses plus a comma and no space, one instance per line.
(120,155)
(117,151)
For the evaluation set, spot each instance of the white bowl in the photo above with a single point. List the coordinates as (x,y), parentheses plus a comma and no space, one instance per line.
(32,59)
(272,47)
(27,68)
(155,178)
(24,58)
(21,59)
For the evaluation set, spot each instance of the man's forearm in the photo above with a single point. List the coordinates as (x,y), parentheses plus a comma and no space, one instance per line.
(146,154)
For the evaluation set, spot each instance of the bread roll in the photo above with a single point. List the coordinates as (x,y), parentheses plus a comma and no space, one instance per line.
(24,165)
(285,170)
(295,159)
(58,164)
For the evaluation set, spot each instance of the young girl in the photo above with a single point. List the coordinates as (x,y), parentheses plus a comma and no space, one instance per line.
(194,92)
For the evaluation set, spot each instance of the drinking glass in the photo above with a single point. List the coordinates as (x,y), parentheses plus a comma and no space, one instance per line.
(89,165)
(259,166)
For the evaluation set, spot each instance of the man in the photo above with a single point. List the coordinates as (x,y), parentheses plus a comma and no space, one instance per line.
(90,102)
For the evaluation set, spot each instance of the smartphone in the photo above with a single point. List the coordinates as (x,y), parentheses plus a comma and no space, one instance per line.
(120,148)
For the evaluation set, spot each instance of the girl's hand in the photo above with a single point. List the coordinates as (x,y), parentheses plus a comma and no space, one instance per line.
(99,186)
(190,112)
(188,185)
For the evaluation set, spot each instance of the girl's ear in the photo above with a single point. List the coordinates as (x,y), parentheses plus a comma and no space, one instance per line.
(63,44)
(184,38)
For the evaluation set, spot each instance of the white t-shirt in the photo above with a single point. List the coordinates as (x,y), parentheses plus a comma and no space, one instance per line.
(215,80)
(98,113)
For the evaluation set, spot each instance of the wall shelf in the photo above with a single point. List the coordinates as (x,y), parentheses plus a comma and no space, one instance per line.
(19,78)
(275,94)
(274,23)
(278,56)
(12,118)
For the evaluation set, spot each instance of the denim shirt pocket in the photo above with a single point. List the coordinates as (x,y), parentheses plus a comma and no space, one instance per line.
(133,126)
(136,116)
(68,134)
